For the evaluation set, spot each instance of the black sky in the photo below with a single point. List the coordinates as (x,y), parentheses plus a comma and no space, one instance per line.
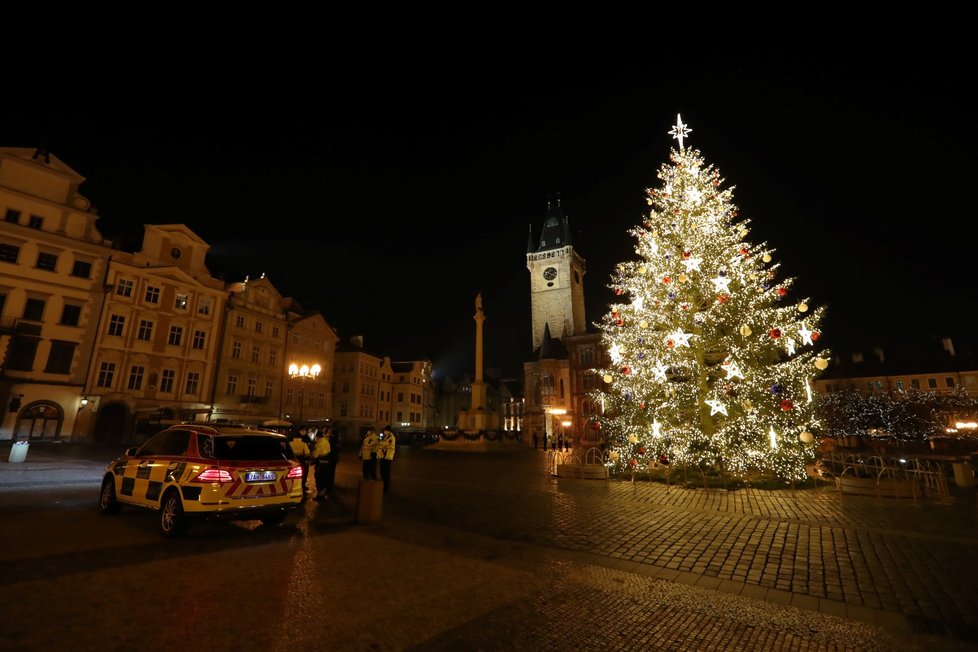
(386,198)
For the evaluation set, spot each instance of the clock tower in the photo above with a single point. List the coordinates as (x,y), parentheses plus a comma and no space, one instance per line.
(556,279)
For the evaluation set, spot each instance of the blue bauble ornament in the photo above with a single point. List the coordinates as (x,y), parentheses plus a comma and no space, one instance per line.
(775,388)
(672,295)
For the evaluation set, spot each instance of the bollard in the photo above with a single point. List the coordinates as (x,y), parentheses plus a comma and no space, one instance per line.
(369,501)
(18,452)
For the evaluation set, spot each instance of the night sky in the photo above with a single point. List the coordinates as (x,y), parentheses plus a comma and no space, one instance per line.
(387,198)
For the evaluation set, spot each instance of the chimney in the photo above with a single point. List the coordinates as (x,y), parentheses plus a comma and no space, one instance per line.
(357,341)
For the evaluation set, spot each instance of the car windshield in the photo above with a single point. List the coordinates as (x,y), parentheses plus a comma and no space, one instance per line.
(250,447)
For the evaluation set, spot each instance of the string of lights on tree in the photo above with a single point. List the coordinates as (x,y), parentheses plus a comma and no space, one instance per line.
(712,360)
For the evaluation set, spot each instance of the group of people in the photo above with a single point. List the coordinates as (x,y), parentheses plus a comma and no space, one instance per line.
(561,442)
(377,454)
(318,450)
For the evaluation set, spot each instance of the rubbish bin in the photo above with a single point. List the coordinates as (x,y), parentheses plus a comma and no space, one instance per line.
(964,474)
(369,500)
(18,451)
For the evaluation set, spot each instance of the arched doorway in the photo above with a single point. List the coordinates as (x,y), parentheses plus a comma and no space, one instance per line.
(39,420)
(110,425)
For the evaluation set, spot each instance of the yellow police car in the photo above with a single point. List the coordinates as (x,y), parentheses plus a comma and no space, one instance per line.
(192,470)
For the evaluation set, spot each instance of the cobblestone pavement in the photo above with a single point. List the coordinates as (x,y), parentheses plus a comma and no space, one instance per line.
(525,560)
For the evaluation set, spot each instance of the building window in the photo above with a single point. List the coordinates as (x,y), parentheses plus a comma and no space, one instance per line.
(152,294)
(899,385)
(232,385)
(588,381)
(932,383)
(239,321)
(116,325)
(136,377)
(915,383)
(343,409)
(258,326)
(180,303)
(547,384)
(204,305)
(105,373)
(123,288)
(47,261)
(9,252)
(948,381)
(295,337)
(288,396)
(587,355)
(13,216)
(272,356)
(322,399)
(70,315)
(176,335)
(346,386)
(255,353)
(198,340)
(193,381)
(252,385)
(145,331)
(275,331)
(3,301)
(269,388)
(81,269)
(34,309)
(21,352)
(236,350)
(400,416)
(35,221)
(166,380)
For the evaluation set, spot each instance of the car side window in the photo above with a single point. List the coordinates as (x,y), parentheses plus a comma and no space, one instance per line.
(168,442)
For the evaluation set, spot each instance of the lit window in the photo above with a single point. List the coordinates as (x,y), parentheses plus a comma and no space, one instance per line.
(180,303)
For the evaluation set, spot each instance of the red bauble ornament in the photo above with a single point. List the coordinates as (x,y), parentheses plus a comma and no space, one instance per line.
(632,463)
(743,251)
(666,280)
(723,298)
(626,370)
(670,343)
(641,451)
(614,313)
(620,322)
(687,254)
(642,405)
(775,333)
(782,292)
(786,405)
(815,336)
(618,291)
(715,183)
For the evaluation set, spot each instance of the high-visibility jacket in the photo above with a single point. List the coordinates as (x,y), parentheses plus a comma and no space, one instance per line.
(300,448)
(320,450)
(369,447)
(387,445)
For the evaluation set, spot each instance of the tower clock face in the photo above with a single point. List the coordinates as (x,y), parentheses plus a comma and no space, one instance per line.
(550,273)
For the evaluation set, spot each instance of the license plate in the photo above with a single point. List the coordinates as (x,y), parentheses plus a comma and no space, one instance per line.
(260,476)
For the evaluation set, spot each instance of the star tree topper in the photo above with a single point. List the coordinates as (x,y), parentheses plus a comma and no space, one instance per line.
(680,131)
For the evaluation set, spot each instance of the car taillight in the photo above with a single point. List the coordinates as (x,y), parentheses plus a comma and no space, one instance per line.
(214,475)
(295,472)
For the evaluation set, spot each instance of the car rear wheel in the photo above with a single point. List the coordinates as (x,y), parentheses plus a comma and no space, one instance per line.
(107,502)
(173,521)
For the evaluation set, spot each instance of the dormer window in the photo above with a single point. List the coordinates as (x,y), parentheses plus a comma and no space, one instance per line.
(176,253)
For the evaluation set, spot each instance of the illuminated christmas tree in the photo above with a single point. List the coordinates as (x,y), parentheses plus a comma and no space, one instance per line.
(712,360)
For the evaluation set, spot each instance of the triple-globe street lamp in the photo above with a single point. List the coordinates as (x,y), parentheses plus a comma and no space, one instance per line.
(302,373)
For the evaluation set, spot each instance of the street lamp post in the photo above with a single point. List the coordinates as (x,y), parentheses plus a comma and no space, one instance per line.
(302,372)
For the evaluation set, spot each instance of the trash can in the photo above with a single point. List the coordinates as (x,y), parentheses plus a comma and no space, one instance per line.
(369,501)
(964,474)
(18,451)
